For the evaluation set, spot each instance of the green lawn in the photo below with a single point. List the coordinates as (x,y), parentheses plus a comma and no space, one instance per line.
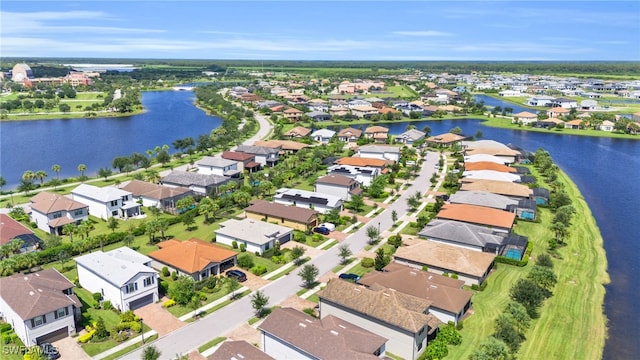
(129,349)
(210,344)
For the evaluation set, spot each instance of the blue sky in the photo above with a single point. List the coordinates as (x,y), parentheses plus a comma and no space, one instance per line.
(329,30)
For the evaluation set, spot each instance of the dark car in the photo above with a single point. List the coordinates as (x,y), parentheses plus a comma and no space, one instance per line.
(237,274)
(321,230)
(49,351)
(350,277)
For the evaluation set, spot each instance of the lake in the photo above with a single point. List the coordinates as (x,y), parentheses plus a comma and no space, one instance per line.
(605,170)
(492,102)
(39,144)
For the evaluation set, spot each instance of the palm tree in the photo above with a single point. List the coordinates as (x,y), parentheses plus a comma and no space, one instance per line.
(70,229)
(41,175)
(82,168)
(151,353)
(56,169)
(28,176)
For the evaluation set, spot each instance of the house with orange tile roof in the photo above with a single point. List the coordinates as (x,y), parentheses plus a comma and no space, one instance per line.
(349,135)
(293,114)
(364,111)
(524,118)
(377,133)
(364,161)
(512,190)
(557,111)
(479,215)
(574,124)
(52,211)
(488,165)
(297,132)
(194,257)
(446,139)
(11,229)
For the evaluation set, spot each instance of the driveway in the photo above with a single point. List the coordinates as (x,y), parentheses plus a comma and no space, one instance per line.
(158,318)
(70,349)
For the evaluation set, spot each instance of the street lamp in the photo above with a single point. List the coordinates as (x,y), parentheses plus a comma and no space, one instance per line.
(378,228)
(141,330)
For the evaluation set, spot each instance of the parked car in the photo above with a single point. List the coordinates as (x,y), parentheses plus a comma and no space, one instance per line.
(49,351)
(329,226)
(350,277)
(237,274)
(321,230)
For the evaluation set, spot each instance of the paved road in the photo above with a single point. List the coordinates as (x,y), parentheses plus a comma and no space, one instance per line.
(228,318)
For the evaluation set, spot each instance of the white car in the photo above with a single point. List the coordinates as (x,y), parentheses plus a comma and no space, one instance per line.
(329,226)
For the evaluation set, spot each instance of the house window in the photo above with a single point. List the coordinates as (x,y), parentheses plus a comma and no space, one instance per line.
(149,281)
(130,288)
(38,321)
(114,203)
(61,313)
(57,214)
(78,212)
(420,346)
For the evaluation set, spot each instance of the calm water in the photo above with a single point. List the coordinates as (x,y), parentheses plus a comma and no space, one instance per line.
(37,145)
(605,170)
(493,102)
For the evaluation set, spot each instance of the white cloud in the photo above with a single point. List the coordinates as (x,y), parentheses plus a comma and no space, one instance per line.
(423,33)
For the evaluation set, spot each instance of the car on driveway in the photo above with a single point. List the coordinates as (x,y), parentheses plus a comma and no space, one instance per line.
(321,230)
(237,274)
(349,277)
(329,226)
(49,351)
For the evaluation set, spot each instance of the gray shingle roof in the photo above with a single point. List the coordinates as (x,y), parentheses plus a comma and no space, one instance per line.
(461,233)
(186,178)
(215,162)
(257,150)
(482,198)
(254,231)
(114,267)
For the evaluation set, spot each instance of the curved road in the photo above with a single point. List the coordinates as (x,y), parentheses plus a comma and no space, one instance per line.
(190,337)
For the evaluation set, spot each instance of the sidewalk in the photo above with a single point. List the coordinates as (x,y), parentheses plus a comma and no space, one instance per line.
(125,344)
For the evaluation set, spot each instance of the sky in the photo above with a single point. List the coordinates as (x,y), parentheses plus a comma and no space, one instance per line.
(323,30)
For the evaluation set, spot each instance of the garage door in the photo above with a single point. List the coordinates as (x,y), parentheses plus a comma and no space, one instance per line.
(53,336)
(138,303)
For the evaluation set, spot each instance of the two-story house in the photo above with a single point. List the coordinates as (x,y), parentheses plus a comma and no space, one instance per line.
(265,156)
(210,165)
(200,184)
(338,185)
(362,174)
(154,195)
(245,161)
(41,306)
(349,135)
(317,201)
(377,133)
(52,211)
(11,229)
(123,276)
(106,202)
(385,152)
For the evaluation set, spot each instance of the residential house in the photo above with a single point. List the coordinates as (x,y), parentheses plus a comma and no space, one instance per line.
(123,276)
(318,105)
(486,158)
(523,208)
(540,195)
(473,237)
(384,152)
(377,133)
(349,135)
(265,156)
(210,165)
(291,334)
(323,136)
(257,236)
(338,185)
(358,103)
(319,115)
(107,201)
(490,175)
(362,174)
(51,212)
(403,319)
(11,229)
(411,136)
(446,139)
(449,302)
(472,267)
(297,132)
(245,161)
(200,184)
(40,306)
(285,146)
(480,215)
(524,118)
(606,126)
(557,112)
(588,105)
(564,103)
(509,189)
(510,93)
(488,165)
(319,202)
(380,164)
(237,350)
(490,147)
(194,257)
(339,111)
(574,124)
(293,114)
(540,100)
(154,195)
(364,111)
(291,216)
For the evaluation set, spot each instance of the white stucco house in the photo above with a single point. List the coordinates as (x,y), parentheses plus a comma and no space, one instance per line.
(52,211)
(362,174)
(338,185)
(257,235)
(210,165)
(106,202)
(323,136)
(123,276)
(317,201)
(41,306)
(384,152)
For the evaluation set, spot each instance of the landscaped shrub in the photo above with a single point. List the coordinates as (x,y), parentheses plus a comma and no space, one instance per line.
(106,305)
(245,261)
(243,247)
(97,297)
(128,316)
(86,337)
(475,287)
(425,268)
(367,262)
(299,236)
(483,285)
(174,275)
(165,271)
(5,328)
(310,311)
(258,270)
(234,244)
(454,276)
(169,303)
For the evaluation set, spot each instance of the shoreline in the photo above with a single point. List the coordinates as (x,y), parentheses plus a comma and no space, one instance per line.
(73,116)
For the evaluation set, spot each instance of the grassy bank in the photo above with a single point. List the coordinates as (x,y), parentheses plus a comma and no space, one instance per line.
(572,324)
